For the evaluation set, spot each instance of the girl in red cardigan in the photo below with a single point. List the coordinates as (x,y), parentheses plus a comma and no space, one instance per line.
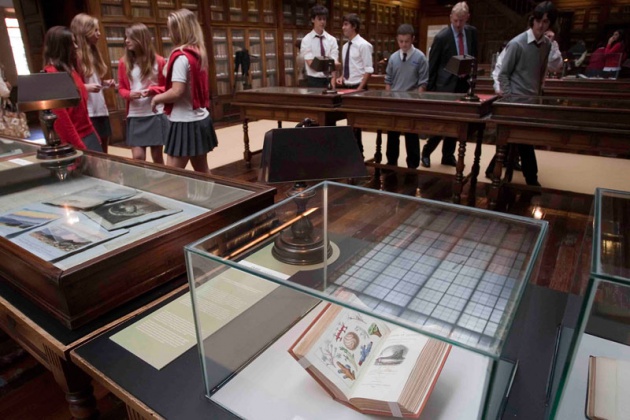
(186,96)
(73,125)
(139,70)
(614,53)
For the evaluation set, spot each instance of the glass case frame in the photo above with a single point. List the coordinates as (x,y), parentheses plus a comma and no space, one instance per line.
(85,285)
(602,317)
(360,225)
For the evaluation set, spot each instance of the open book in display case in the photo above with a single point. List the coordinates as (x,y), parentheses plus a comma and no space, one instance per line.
(415,301)
(111,230)
(593,363)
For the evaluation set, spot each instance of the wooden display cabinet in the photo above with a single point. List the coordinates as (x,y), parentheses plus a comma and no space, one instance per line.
(81,287)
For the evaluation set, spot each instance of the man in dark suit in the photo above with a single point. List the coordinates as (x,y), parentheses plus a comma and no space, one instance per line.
(456,39)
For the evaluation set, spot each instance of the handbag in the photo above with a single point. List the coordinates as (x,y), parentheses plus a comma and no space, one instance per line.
(12,122)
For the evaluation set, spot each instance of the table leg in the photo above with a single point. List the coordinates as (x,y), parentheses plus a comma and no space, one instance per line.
(279,124)
(247,154)
(458,182)
(474,174)
(77,386)
(493,194)
(378,156)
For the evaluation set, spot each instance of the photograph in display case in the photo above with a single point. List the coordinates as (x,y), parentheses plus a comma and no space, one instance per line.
(94,196)
(26,218)
(64,237)
(130,212)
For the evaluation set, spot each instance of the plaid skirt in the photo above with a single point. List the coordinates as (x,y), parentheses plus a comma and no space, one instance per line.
(191,138)
(147,131)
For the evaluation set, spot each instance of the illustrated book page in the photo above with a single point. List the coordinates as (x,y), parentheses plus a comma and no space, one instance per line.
(608,396)
(371,365)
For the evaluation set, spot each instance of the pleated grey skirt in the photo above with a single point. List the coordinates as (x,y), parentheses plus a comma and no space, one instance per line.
(191,138)
(147,131)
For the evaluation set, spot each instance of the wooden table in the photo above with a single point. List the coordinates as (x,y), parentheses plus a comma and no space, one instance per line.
(573,124)
(428,113)
(286,104)
(50,342)
(587,88)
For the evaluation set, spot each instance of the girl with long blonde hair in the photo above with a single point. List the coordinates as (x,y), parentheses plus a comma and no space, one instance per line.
(92,68)
(186,96)
(139,70)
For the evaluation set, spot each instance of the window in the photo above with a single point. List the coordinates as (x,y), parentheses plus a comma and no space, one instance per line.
(15,37)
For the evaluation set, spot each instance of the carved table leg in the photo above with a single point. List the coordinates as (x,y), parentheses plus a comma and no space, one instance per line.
(476,166)
(247,154)
(493,194)
(378,156)
(458,183)
(77,386)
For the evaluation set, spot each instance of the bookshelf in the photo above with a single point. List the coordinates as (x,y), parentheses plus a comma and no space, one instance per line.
(267,29)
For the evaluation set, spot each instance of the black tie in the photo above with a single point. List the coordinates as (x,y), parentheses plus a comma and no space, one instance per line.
(321,45)
(404,57)
(346,63)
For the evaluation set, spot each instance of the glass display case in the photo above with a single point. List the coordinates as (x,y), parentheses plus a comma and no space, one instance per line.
(452,273)
(11,149)
(602,329)
(82,237)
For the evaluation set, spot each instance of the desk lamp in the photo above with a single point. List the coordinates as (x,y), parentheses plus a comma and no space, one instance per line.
(327,66)
(43,92)
(462,66)
(306,154)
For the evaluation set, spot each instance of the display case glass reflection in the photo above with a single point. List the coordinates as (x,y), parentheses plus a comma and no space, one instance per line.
(448,272)
(10,149)
(602,331)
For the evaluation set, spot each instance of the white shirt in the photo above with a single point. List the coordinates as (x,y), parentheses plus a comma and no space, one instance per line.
(360,61)
(141,107)
(183,109)
(96,100)
(310,48)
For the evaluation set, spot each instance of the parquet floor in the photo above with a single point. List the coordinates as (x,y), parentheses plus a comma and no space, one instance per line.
(38,397)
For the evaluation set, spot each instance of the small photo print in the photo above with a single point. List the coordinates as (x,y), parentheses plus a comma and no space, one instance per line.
(64,237)
(129,212)
(21,220)
(94,196)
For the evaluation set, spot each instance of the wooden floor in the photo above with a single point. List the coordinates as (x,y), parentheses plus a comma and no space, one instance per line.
(38,397)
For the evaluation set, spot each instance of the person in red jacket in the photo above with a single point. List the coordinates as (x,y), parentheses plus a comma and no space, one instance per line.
(73,125)
(614,53)
(186,96)
(139,70)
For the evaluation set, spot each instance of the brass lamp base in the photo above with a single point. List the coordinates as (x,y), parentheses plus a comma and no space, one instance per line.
(300,251)
(60,151)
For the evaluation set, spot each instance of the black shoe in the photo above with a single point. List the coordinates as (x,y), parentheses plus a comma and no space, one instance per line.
(517,166)
(533,183)
(449,161)
(426,162)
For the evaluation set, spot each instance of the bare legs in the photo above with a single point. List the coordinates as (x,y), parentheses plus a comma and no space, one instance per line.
(199,163)
(140,153)
(104,143)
